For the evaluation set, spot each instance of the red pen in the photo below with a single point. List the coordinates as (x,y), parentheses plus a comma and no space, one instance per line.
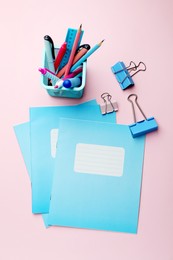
(60,55)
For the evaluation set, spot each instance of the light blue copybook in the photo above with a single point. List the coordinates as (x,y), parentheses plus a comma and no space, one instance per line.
(44,123)
(97,178)
(22,132)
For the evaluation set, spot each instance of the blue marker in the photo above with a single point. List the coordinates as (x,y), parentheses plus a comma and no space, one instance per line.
(72,83)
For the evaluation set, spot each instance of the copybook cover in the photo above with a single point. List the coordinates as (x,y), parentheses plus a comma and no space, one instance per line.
(97,177)
(44,124)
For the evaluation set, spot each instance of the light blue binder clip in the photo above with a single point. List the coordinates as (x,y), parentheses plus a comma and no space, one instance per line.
(122,73)
(142,127)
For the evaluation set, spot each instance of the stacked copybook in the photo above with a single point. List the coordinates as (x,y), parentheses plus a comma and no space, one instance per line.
(85,169)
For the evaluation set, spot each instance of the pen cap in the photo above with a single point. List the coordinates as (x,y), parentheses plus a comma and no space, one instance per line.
(49,48)
(83,46)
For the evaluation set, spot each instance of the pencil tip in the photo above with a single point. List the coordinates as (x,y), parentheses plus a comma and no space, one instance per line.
(101,42)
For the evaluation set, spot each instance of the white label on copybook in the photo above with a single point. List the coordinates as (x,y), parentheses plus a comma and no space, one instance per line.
(99,159)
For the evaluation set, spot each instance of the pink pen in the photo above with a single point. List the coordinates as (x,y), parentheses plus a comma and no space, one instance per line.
(74,73)
(49,74)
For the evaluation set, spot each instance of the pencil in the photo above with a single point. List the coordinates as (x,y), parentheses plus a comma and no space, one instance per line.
(76,41)
(84,57)
(76,58)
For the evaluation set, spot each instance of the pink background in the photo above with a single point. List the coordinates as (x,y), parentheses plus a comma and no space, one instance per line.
(133,30)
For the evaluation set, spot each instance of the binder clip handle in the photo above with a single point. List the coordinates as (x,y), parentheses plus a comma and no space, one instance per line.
(133,108)
(137,67)
(132,66)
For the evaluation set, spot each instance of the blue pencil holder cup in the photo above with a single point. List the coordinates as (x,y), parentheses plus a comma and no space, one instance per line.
(64,92)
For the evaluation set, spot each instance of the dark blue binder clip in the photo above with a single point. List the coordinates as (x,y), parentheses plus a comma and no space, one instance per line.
(142,127)
(124,74)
